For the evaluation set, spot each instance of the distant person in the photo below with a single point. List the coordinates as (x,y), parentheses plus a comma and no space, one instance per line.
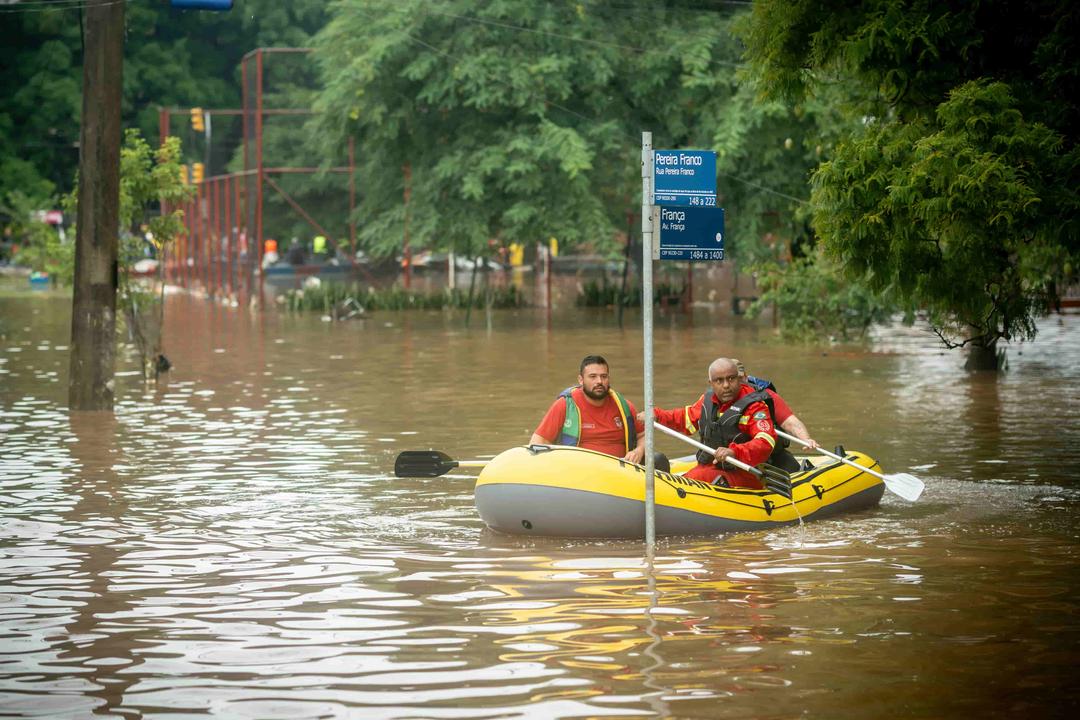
(318,245)
(733,418)
(785,418)
(6,244)
(270,253)
(593,416)
(296,254)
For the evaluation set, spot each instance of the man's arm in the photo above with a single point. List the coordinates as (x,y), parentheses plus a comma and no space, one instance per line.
(782,409)
(550,424)
(794,426)
(682,419)
(638,453)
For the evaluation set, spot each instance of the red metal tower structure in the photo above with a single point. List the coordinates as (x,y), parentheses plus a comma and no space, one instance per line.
(223,247)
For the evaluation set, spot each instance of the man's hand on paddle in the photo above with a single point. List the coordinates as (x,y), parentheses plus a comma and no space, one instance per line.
(723,452)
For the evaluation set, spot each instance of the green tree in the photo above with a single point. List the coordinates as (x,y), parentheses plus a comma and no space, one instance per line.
(148,177)
(766,152)
(816,302)
(41,84)
(40,246)
(519,120)
(957,192)
(171,58)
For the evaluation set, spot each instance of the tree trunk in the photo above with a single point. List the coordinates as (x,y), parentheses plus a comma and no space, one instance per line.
(472,286)
(625,265)
(93,317)
(982,357)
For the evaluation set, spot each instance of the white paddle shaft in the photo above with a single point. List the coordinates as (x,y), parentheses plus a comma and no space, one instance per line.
(702,446)
(905,485)
(833,455)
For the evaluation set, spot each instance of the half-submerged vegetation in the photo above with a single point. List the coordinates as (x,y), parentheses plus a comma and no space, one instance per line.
(344,298)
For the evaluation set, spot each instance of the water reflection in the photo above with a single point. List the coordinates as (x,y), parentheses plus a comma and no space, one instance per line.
(233,543)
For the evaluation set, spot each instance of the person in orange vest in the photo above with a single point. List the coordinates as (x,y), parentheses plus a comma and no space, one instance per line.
(270,253)
(594,416)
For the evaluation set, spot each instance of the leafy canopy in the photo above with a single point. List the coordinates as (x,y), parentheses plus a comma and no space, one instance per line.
(171,58)
(39,244)
(518,120)
(815,302)
(957,191)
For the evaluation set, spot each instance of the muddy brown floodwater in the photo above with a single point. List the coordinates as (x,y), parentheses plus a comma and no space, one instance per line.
(233,543)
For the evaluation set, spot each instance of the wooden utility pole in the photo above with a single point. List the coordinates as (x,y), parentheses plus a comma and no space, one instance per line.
(93,317)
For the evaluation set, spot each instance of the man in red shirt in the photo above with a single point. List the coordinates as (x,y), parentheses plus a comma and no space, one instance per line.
(732,417)
(593,416)
(785,418)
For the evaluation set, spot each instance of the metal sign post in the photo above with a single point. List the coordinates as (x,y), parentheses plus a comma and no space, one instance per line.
(647,168)
(685,181)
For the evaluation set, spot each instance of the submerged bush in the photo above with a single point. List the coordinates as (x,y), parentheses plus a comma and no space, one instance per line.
(601,293)
(330,297)
(817,303)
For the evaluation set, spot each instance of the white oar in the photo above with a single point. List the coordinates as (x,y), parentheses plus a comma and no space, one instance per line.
(906,486)
(775,479)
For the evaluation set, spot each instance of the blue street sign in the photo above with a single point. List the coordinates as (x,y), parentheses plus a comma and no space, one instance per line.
(218,5)
(684,177)
(694,234)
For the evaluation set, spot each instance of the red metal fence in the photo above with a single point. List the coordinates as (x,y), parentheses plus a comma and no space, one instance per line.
(223,246)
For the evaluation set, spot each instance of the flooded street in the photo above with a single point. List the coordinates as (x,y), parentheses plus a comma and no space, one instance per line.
(233,542)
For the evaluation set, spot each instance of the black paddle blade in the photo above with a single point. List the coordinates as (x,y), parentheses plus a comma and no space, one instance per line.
(423,463)
(776,480)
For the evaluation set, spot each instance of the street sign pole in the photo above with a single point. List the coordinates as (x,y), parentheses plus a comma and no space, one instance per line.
(647,177)
(687,182)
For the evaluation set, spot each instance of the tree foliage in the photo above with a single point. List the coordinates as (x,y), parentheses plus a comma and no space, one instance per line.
(518,120)
(766,151)
(815,301)
(958,190)
(171,58)
(39,243)
(962,220)
(147,177)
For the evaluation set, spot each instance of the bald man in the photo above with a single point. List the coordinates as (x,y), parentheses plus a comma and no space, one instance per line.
(732,417)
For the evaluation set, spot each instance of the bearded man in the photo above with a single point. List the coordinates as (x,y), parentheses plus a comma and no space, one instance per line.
(593,416)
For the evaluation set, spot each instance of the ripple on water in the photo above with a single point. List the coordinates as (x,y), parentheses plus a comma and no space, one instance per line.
(234,544)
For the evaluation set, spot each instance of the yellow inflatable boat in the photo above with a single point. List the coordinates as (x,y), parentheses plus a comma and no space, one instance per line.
(570,492)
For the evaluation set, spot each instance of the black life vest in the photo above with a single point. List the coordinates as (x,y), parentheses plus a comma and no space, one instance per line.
(781,457)
(724,430)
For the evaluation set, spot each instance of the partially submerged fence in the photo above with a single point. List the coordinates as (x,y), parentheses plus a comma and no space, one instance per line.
(237,215)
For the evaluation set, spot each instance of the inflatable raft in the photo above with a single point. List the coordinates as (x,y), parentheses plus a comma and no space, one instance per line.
(570,492)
